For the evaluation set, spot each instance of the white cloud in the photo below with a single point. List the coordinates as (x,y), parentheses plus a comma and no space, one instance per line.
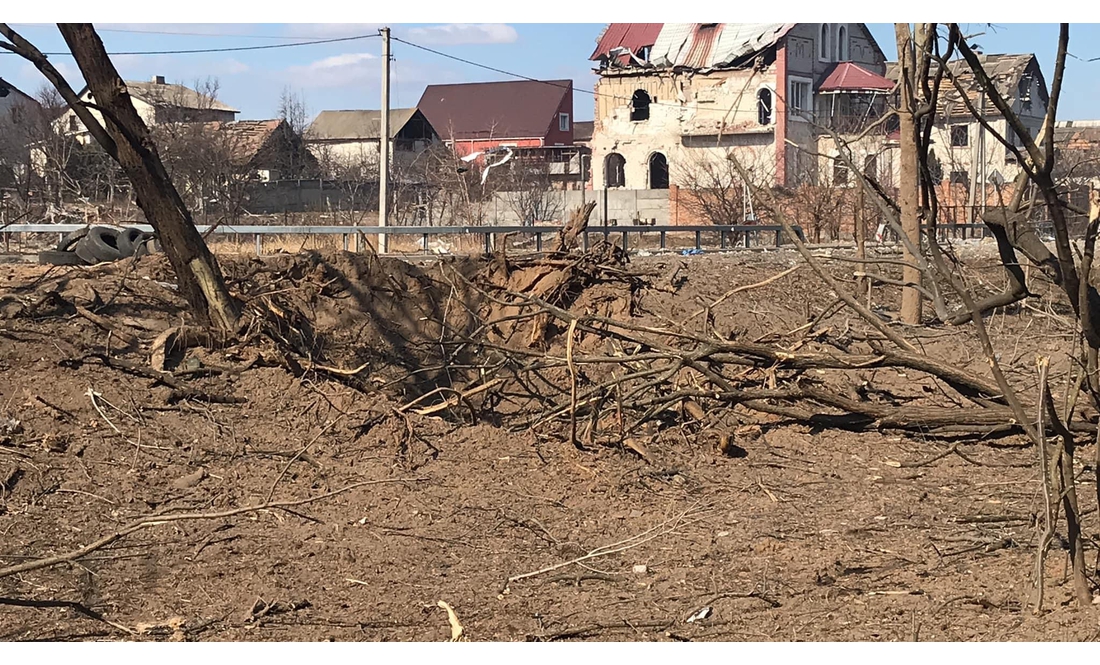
(337,70)
(465,33)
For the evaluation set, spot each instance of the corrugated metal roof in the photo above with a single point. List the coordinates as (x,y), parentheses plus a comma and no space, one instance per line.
(633,36)
(498,110)
(850,76)
(356,125)
(676,45)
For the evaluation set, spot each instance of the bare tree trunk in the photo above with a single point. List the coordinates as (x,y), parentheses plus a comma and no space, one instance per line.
(127,139)
(908,191)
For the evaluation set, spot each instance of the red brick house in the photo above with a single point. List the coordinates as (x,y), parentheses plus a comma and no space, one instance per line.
(520,114)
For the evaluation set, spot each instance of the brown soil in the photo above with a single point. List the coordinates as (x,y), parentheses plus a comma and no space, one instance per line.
(797,535)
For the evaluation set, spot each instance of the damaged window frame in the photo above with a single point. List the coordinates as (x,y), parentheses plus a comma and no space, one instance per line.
(765,113)
(614,171)
(639,109)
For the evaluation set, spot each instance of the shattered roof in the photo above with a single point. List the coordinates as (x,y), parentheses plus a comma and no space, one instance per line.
(707,45)
(848,76)
(356,125)
(1005,70)
(498,110)
(634,36)
(245,138)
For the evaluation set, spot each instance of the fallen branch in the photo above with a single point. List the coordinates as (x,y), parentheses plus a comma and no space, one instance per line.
(157,520)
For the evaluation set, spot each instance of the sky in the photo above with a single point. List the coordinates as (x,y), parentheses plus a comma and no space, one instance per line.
(346,74)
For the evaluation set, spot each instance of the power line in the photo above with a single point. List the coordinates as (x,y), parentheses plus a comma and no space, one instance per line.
(195,34)
(166,32)
(225,50)
(528,78)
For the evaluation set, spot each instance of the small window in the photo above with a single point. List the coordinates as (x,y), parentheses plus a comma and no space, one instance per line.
(639,106)
(73,124)
(801,97)
(842,44)
(614,167)
(960,136)
(764,106)
(960,178)
(823,43)
(840,172)
(563,122)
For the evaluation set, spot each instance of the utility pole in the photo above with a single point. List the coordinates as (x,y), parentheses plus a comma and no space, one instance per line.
(384,143)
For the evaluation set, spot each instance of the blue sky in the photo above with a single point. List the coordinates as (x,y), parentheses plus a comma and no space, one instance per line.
(346,75)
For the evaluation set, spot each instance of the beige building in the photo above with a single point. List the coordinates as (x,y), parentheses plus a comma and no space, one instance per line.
(676,99)
(967,155)
(344,138)
(157,102)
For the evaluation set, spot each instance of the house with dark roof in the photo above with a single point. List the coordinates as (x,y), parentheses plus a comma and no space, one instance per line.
(353,137)
(519,114)
(157,102)
(675,99)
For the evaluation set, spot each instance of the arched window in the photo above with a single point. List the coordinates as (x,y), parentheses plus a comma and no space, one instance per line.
(658,171)
(764,106)
(823,45)
(614,170)
(639,106)
(842,44)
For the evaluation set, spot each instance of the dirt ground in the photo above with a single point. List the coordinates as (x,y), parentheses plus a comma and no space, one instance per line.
(798,535)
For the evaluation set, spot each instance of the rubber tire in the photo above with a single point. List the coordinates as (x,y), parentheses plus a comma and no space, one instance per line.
(68,241)
(130,240)
(101,245)
(56,257)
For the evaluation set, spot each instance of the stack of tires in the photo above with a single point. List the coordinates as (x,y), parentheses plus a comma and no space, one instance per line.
(99,244)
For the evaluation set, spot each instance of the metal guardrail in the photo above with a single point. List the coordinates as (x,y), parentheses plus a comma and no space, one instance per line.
(726,232)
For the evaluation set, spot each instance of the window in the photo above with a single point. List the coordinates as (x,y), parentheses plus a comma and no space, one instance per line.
(870,167)
(563,122)
(960,136)
(823,43)
(842,44)
(764,106)
(73,124)
(840,172)
(658,171)
(960,178)
(639,106)
(800,98)
(614,170)
(1024,90)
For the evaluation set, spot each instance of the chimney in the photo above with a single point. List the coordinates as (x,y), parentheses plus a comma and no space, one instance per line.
(159,80)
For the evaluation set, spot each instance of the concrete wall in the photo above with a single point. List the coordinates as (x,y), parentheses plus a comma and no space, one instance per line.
(624,206)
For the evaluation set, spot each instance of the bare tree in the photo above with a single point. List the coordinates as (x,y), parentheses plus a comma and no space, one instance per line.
(293,109)
(125,137)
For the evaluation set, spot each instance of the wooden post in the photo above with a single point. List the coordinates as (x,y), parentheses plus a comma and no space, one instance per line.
(908,191)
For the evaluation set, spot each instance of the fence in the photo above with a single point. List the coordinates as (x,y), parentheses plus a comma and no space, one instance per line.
(658,237)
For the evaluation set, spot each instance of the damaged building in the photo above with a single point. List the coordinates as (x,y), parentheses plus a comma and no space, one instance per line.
(676,95)
(966,157)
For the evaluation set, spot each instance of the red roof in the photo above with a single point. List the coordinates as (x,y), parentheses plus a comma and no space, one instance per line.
(497,110)
(850,76)
(631,35)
